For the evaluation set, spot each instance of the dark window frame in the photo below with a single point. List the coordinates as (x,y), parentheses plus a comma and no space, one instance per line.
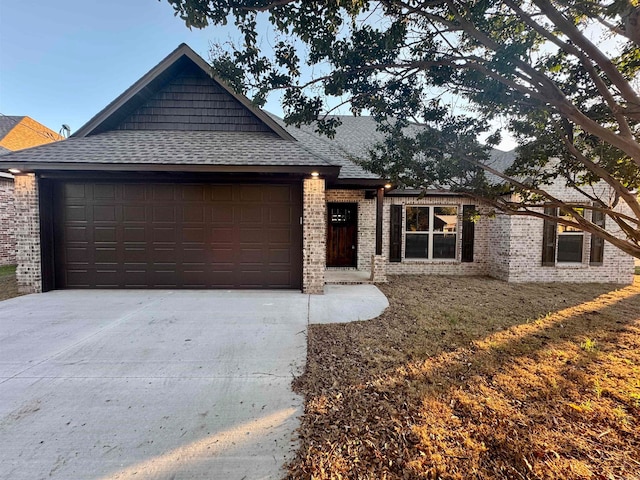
(431,232)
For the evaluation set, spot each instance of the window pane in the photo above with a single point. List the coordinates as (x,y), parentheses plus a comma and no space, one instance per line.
(417,219)
(444,246)
(570,248)
(416,246)
(569,217)
(445,219)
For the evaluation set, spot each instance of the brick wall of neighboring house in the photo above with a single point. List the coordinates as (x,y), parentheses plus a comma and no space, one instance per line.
(366,222)
(7,217)
(27,228)
(314,235)
(481,259)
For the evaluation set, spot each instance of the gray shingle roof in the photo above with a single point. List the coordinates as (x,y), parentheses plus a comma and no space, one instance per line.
(171,148)
(351,143)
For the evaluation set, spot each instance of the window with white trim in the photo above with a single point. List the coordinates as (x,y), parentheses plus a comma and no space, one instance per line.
(431,232)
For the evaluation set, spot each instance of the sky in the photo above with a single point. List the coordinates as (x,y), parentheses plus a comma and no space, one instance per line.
(63,62)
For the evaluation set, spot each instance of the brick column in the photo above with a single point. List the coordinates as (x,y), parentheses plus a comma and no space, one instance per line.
(27,232)
(378,269)
(314,236)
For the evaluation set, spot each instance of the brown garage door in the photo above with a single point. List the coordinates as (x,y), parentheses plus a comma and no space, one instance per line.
(142,235)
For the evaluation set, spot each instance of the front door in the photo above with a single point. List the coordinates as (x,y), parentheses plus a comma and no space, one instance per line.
(342,235)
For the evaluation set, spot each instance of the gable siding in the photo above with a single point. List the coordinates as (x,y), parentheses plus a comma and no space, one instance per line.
(193,101)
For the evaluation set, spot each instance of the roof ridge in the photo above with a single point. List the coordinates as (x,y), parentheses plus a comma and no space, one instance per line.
(154,74)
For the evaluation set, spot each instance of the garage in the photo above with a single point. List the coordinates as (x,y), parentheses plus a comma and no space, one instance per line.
(177,235)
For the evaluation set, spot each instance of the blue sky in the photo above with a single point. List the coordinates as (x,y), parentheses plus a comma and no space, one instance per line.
(62,62)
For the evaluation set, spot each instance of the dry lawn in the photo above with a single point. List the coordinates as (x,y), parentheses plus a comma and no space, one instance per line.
(8,286)
(473,378)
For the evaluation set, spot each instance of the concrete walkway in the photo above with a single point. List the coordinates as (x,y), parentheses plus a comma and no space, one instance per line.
(157,384)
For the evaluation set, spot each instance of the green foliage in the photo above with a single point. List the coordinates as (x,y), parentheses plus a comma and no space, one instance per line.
(565,75)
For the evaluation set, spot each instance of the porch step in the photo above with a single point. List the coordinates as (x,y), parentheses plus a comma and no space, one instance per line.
(347,277)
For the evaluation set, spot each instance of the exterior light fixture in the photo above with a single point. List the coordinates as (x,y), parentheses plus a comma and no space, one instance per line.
(15,171)
(315,174)
(387,186)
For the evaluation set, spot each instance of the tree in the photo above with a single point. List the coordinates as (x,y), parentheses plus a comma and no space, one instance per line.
(564,73)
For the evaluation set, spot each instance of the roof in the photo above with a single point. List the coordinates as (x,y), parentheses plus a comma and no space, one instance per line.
(168,148)
(18,132)
(143,89)
(121,136)
(7,122)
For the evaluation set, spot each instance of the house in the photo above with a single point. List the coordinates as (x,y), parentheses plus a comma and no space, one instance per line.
(15,133)
(181,183)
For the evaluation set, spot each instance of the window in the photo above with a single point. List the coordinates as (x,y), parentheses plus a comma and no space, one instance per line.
(562,243)
(431,232)
(570,239)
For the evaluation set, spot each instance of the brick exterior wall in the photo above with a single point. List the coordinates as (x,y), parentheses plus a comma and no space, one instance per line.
(27,228)
(481,261)
(505,247)
(525,258)
(314,241)
(7,218)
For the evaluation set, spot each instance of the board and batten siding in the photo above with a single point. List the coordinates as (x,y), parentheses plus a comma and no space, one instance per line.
(193,101)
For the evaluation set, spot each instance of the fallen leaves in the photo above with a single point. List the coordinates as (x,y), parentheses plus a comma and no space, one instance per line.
(453,382)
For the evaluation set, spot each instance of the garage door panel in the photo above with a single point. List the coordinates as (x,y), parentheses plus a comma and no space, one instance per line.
(75,213)
(122,235)
(164,214)
(222,193)
(193,193)
(78,255)
(222,213)
(106,255)
(105,234)
(164,235)
(104,213)
(104,191)
(133,192)
(163,192)
(106,278)
(194,235)
(193,213)
(279,256)
(74,191)
(133,234)
(194,255)
(251,214)
(134,213)
(222,235)
(76,234)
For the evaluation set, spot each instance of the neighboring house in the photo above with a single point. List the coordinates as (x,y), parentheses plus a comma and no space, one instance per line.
(15,133)
(181,183)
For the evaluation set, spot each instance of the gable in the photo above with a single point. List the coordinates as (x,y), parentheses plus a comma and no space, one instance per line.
(194,101)
(181,93)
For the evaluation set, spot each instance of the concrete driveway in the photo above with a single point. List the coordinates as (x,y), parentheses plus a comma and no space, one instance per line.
(157,384)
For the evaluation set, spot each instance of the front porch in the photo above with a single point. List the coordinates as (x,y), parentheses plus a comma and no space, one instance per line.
(347,276)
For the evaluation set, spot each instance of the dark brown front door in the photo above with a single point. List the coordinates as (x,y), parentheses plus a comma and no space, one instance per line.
(342,235)
(171,235)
